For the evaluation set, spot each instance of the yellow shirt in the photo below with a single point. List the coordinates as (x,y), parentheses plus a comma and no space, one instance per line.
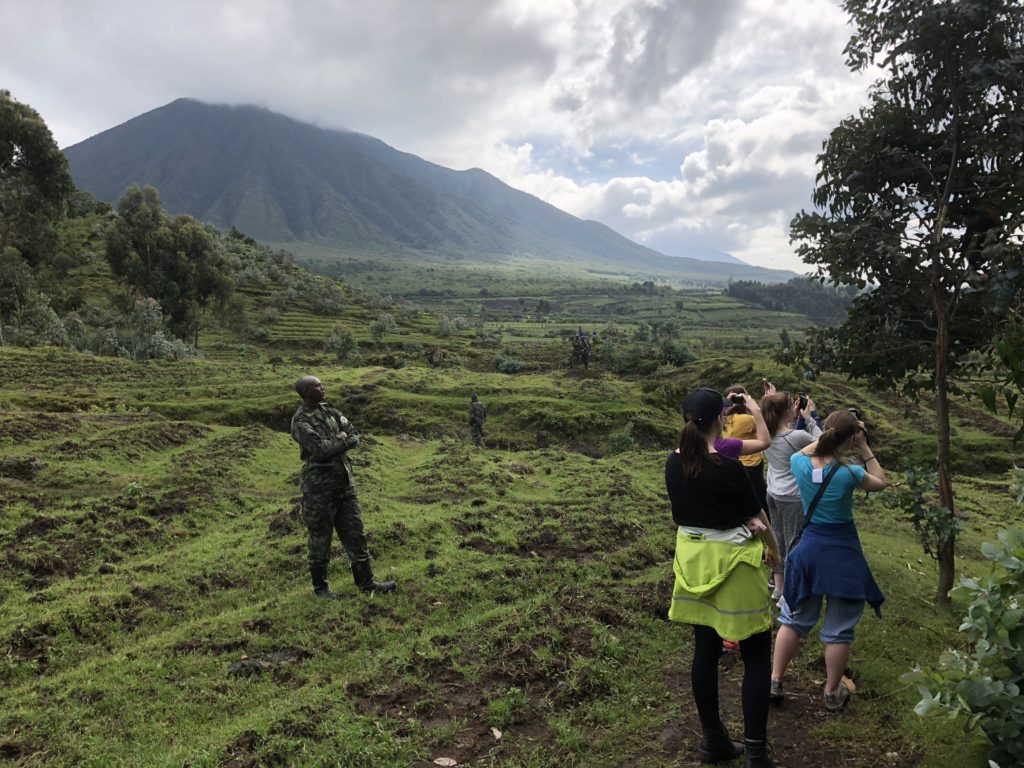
(743,427)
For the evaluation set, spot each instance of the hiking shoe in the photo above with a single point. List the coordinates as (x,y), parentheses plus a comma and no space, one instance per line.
(777,695)
(730,646)
(834,702)
(325,594)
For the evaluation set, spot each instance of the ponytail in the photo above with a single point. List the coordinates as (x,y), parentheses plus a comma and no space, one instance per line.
(838,428)
(693,449)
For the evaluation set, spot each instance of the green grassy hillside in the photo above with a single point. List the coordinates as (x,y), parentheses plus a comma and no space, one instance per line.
(155,607)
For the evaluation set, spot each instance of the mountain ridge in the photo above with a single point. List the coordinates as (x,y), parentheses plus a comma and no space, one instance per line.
(285,181)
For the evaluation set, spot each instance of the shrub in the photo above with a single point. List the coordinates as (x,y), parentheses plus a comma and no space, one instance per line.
(445,326)
(109,343)
(917,500)
(983,686)
(40,325)
(162,347)
(340,342)
(326,298)
(675,352)
(259,334)
(506,364)
(621,442)
(382,326)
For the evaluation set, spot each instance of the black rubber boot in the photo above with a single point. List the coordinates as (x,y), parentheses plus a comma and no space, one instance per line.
(320,586)
(716,746)
(757,755)
(363,575)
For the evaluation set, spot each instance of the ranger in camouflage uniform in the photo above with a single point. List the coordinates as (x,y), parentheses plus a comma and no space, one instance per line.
(477,417)
(329,500)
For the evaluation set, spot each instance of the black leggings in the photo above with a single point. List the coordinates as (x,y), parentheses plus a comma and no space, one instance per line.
(757,675)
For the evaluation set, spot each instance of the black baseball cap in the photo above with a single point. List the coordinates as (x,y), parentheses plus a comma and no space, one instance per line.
(702,405)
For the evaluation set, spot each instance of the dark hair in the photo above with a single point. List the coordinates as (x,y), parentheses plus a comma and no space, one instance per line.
(693,449)
(839,427)
(776,409)
(738,407)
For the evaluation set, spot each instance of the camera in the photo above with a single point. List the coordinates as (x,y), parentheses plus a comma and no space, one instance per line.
(803,401)
(737,398)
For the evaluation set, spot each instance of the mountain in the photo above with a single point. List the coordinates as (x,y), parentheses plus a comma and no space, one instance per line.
(284,182)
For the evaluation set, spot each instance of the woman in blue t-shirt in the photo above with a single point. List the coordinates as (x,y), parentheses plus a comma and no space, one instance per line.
(828,561)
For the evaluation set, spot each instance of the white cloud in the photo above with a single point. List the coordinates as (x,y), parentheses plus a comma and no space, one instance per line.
(740,92)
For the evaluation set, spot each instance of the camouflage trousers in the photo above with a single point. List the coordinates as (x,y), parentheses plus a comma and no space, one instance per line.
(334,509)
(476,431)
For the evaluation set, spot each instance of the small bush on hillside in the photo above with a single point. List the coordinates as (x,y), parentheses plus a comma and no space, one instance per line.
(675,352)
(75,328)
(917,499)
(326,298)
(162,347)
(39,325)
(382,326)
(621,442)
(109,343)
(445,326)
(983,686)
(341,343)
(506,364)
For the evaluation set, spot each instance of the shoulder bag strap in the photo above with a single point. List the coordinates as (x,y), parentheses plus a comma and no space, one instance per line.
(814,502)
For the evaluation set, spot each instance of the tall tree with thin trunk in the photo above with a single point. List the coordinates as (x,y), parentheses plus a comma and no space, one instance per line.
(920,198)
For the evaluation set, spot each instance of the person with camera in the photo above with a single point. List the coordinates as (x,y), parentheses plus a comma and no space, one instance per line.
(720,588)
(741,423)
(785,510)
(827,560)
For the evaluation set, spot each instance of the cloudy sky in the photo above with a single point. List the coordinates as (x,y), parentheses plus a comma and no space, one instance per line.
(680,123)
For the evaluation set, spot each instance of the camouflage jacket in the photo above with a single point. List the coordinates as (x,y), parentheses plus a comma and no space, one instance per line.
(325,455)
(477,413)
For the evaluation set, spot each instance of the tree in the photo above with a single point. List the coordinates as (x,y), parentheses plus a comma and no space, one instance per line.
(382,326)
(341,343)
(34,181)
(176,261)
(16,285)
(920,196)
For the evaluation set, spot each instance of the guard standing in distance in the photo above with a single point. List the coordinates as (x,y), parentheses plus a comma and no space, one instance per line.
(477,417)
(329,500)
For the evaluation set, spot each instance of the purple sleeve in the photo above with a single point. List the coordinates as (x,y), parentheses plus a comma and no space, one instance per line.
(729,447)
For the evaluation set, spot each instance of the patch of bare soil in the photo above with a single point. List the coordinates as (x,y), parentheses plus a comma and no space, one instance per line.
(286,521)
(21,468)
(241,753)
(32,644)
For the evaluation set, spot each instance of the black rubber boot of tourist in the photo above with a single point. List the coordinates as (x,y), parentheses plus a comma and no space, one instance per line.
(716,746)
(363,575)
(757,755)
(320,586)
